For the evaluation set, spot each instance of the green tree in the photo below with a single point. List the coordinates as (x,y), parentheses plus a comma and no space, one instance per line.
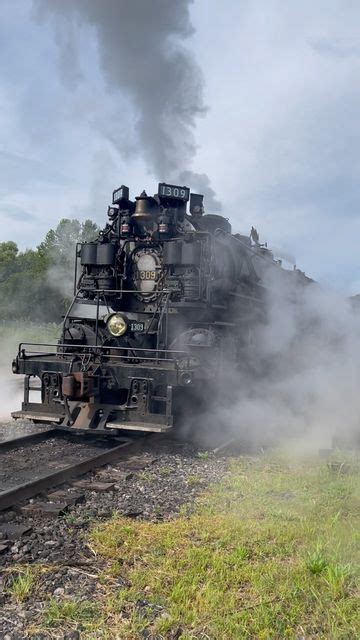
(89,231)
(37,284)
(8,254)
(61,242)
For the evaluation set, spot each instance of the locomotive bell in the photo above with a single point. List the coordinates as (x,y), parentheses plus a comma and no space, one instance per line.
(144,208)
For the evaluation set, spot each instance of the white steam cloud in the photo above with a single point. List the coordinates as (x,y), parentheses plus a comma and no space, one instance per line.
(10,386)
(302,382)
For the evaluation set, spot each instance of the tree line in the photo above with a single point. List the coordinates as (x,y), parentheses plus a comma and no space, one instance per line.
(36,284)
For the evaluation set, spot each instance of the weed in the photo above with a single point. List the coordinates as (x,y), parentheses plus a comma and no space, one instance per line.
(238,555)
(145,477)
(22,585)
(165,471)
(87,515)
(203,455)
(338,577)
(316,561)
(69,518)
(69,611)
(193,480)
(184,510)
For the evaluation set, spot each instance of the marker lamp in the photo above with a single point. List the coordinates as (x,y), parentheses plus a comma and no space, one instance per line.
(116,325)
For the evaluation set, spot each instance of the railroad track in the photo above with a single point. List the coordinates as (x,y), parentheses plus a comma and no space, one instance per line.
(16,454)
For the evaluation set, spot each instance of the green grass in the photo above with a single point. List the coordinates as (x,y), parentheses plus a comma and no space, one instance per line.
(22,585)
(203,455)
(145,476)
(270,553)
(12,333)
(316,561)
(165,471)
(70,611)
(193,480)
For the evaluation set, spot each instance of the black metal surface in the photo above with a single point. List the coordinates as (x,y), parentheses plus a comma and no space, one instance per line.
(29,489)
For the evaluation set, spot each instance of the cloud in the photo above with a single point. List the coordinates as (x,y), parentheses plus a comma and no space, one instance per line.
(18,171)
(280,140)
(337,47)
(16,213)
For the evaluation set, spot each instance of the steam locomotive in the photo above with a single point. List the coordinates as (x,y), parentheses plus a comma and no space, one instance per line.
(166,301)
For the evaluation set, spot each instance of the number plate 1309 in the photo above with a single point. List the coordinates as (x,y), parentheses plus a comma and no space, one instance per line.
(137,327)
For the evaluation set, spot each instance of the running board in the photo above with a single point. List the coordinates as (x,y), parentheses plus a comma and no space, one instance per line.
(139,426)
(41,417)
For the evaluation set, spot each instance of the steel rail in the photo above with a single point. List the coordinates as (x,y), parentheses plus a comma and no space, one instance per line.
(14,495)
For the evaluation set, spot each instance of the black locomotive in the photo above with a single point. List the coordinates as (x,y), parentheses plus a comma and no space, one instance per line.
(166,302)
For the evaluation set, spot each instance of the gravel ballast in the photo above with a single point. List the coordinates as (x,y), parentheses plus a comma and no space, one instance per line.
(152,485)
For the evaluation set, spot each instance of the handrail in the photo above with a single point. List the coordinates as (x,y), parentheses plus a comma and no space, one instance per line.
(99,350)
(91,346)
(97,291)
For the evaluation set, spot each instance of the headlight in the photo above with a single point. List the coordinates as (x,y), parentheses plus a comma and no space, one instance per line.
(116,325)
(186,378)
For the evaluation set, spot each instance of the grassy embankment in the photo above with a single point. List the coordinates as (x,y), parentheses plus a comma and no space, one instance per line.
(12,333)
(271,552)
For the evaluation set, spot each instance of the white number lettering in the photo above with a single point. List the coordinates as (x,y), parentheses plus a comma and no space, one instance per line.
(147,275)
(137,326)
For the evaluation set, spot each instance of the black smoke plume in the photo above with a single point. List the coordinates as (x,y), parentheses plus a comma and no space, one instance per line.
(141,53)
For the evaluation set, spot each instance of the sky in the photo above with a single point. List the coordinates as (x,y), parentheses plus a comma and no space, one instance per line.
(276,128)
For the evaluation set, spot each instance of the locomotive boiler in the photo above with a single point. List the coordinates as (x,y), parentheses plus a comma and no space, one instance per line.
(165,303)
